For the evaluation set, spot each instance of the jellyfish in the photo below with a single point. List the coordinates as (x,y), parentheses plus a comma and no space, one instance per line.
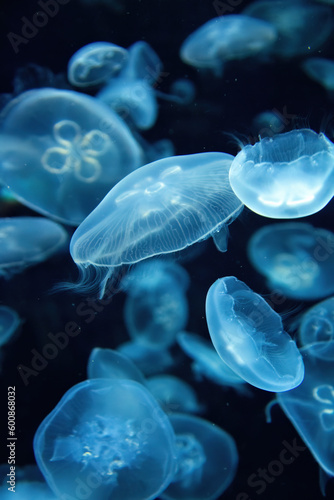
(225,38)
(107,363)
(302,28)
(207,363)
(321,70)
(62,151)
(156,307)
(149,360)
(296,258)
(160,208)
(25,241)
(248,335)
(109,439)
(95,63)
(286,176)
(317,324)
(9,324)
(310,407)
(143,64)
(174,394)
(207,460)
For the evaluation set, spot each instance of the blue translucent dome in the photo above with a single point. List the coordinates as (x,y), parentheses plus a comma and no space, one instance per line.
(207,460)
(296,258)
(62,151)
(95,63)
(248,335)
(107,363)
(286,176)
(9,324)
(317,324)
(160,208)
(106,439)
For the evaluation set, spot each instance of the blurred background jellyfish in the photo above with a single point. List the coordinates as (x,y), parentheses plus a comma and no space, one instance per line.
(248,335)
(149,360)
(302,27)
(310,407)
(317,323)
(226,38)
(320,70)
(160,208)
(95,63)
(207,460)
(61,152)
(25,241)
(108,439)
(286,176)
(9,324)
(296,258)
(107,363)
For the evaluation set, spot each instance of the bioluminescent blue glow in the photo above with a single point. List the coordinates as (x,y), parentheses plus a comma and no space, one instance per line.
(317,323)
(174,394)
(107,363)
(249,336)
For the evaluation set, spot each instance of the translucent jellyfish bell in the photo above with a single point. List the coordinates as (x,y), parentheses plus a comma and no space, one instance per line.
(95,63)
(25,241)
(174,394)
(107,363)
(9,324)
(207,460)
(160,208)
(296,258)
(61,151)
(225,38)
(317,324)
(106,439)
(321,70)
(286,176)
(310,407)
(143,63)
(248,335)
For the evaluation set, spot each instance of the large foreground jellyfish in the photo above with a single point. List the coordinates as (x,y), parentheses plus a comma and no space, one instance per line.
(225,38)
(207,460)
(286,176)
(62,151)
(160,208)
(296,258)
(248,335)
(25,241)
(106,439)
(310,407)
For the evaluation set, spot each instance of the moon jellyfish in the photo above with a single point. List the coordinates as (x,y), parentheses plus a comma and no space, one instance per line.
(317,324)
(25,241)
(174,394)
(286,176)
(310,407)
(207,460)
(149,360)
(301,27)
(95,63)
(9,324)
(321,70)
(106,439)
(225,38)
(248,335)
(296,258)
(207,363)
(160,208)
(143,64)
(107,363)
(25,490)
(62,151)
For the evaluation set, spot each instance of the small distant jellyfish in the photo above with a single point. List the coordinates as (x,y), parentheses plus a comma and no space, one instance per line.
(225,38)
(109,439)
(95,63)
(286,176)
(160,208)
(207,460)
(317,324)
(143,64)
(296,258)
(321,70)
(61,151)
(107,363)
(9,324)
(248,335)
(310,407)
(302,27)
(174,394)
(148,359)
(268,124)
(26,241)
